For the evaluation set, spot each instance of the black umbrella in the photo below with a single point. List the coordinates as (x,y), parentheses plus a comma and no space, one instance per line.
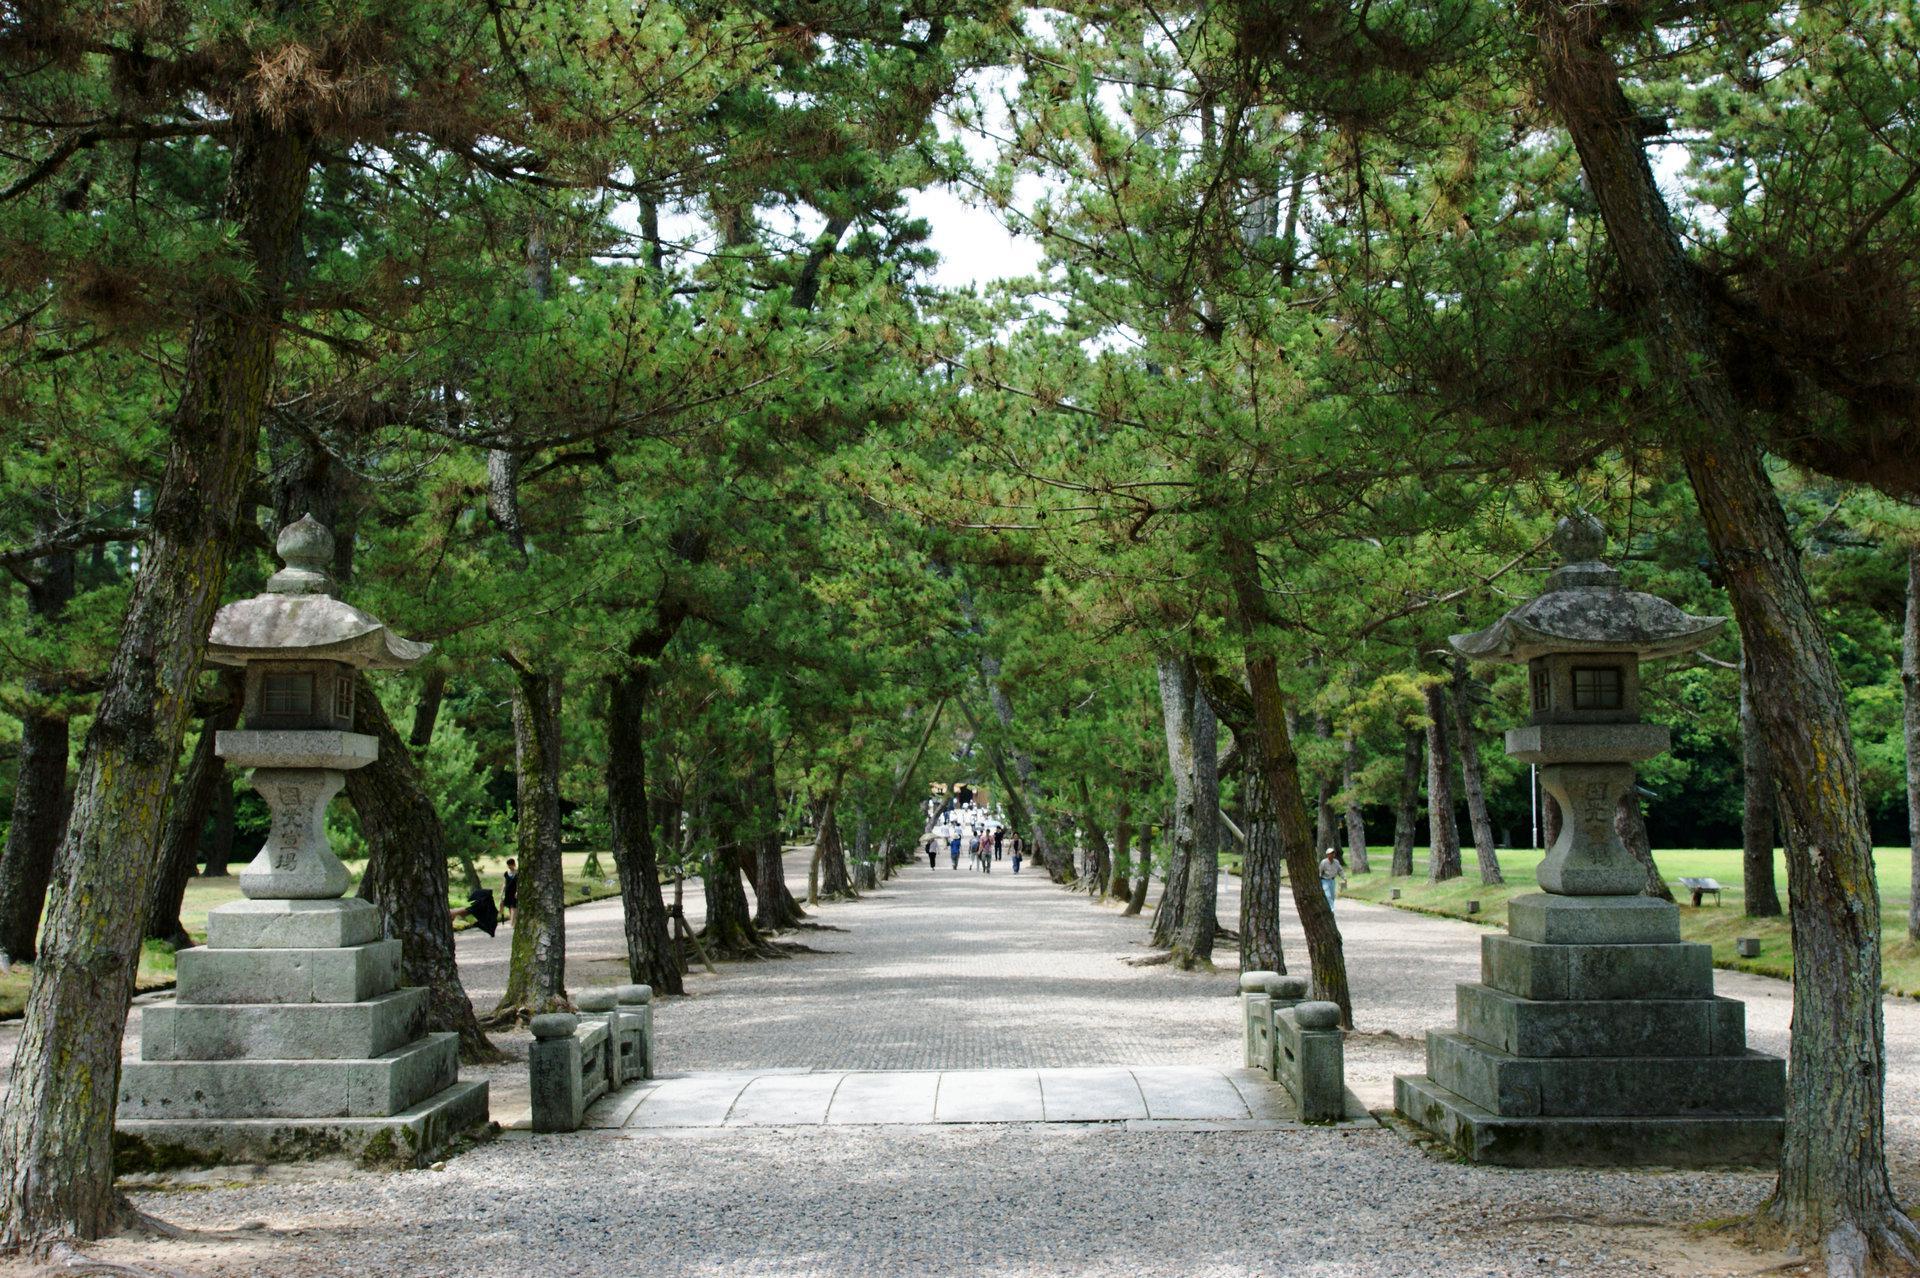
(486,915)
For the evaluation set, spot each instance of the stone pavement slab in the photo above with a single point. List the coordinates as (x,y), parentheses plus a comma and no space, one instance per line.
(989,1096)
(885,1096)
(1090,1096)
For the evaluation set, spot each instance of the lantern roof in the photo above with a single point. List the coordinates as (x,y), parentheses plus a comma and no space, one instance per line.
(1585,608)
(299,619)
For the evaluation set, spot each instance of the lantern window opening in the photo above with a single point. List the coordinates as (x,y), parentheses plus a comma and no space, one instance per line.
(1542,687)
(1598,688)
(286,694)
(343,697)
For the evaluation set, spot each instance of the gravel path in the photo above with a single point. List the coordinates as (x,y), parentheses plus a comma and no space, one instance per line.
(945,970)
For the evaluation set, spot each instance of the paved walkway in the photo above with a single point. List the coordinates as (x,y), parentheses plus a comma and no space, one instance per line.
(1194,1097)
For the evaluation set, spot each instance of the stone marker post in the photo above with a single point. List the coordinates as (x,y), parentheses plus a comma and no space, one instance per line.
(1594,1037)
(288,1036)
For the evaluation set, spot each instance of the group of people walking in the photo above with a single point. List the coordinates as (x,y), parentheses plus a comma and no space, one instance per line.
(984,847)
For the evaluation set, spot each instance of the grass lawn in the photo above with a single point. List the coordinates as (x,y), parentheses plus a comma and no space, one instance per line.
(1718,925)
(156,960)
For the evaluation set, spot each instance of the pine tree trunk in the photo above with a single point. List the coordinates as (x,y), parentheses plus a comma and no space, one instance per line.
(829,853)
(1833,1191)
(1118,881)
(865,877)
(729,932)
(1199,917)
(1357,861)
(1260,881)
(774,906)
(1324,822)
(1099,855)
(1281,774)
(537,964)
(426,710)
(40,782)
(56,1137)
(1473,775)
(1143,872)
(220,832)
(192,802)
(1406,817)
(650,955)
(406,875)
(1443,837)
(1630,823)
(1042,846)
(1910,688)
(1176,711)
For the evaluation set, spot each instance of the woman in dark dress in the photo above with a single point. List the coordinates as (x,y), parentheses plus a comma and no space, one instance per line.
(510,892)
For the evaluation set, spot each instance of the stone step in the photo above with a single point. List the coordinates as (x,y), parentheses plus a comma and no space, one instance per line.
(374,1088)
(351,975)
(283,1031)
(292,925)
(1602,1027)
(1529,969)
(413,1137)
(1753,1084)
(1481,1136)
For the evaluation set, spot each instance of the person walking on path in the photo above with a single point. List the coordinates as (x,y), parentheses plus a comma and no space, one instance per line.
(1333,875)
(510,892)
(954,847)
(986,855)
(999,837)
(933,855)
(1016,854)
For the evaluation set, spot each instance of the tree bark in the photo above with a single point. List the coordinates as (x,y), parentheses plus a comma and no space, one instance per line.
(1099,855)
(1406,817)
(829,853)
(1280,768)
(426,710)
(1630,823)
(1910,703)
(1325,823)
(1199,917)
(1143,872)
(56,1138)
(1473,775)
(1443,835)
(192,802)
(1357,861)
(1119,880)
(537,964)
(1260,881)
(774,906)
(406,875)
(1757,835)
(1833,1191)
(40,783)
(650,955)
(729,932)
(1176,712)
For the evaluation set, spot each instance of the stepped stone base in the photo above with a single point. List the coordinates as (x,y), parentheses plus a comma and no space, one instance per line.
(1595,1039)
(412,1138)
(291,1089)
(1482,1136)
(283,1031)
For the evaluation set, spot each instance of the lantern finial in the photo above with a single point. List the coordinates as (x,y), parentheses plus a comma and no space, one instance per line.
(305,546)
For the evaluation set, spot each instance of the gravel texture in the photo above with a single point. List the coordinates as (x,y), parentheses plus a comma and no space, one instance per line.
(954,970)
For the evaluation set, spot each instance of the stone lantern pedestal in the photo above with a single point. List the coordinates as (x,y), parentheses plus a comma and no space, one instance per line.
(1594,1036)
(290,1035)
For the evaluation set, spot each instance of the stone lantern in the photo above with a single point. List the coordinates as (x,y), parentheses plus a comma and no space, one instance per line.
(1594,1036)
(289,1034)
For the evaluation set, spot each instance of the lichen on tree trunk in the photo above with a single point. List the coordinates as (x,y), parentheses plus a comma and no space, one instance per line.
(1193,935)
(56,1137)
(1472,776)
(1176,712)
(1357,861)
(1260,880)
(406,874)
(192,801)
(1833,1191)
(643,910)
(537,963)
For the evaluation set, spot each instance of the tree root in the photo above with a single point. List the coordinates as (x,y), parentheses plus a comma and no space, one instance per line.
(1150,960)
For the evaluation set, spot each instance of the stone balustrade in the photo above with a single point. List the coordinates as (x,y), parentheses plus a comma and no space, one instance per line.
(1310,1060)
(576,1059)
(1261,995)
